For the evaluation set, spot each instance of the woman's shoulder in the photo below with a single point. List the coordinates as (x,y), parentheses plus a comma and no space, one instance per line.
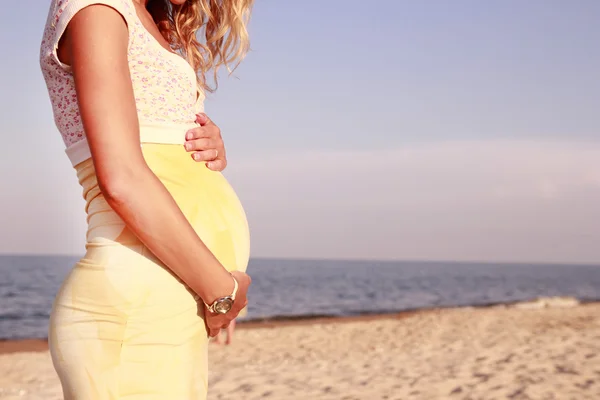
(62,11)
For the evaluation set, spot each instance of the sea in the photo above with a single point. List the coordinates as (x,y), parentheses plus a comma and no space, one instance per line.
(296,289)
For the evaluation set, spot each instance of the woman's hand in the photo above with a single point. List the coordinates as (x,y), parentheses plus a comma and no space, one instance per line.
(216,322)
(206,144)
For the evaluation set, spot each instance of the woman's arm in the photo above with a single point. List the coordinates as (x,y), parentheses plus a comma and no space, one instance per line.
(95,46)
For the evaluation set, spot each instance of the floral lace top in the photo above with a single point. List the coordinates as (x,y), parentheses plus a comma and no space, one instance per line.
(164,84)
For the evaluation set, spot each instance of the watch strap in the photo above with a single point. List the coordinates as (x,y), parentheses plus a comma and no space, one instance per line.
(235,287)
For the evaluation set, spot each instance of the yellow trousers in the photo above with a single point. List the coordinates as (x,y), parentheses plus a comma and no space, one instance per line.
(122,325)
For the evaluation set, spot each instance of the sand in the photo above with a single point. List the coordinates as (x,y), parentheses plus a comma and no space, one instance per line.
(528,352)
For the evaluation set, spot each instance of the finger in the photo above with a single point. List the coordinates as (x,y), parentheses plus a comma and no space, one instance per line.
(206,155)
(214,327)
(198,133)
(216,165)
(201,145)
(202,119)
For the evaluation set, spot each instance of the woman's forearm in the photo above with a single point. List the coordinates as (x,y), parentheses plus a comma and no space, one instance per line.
(159,223)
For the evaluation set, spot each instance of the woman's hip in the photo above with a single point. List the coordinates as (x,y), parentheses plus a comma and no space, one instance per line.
(114,298)
(113,283)
(122,324)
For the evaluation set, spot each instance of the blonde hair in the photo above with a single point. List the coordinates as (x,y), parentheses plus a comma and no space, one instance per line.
(221,24)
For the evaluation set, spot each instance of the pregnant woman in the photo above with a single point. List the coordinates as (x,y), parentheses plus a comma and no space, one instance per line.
(167,240)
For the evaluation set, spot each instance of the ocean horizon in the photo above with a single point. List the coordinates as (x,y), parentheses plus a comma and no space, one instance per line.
(286,289)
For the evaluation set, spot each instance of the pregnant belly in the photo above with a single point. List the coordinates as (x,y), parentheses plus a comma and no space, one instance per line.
(206,199)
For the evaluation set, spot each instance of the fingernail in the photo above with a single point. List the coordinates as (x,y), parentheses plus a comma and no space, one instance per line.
(189,135)
(187,146)
(196,156)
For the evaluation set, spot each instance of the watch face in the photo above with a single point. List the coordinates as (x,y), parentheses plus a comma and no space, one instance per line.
(222,306)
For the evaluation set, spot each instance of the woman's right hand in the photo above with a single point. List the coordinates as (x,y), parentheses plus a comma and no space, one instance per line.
(216,322)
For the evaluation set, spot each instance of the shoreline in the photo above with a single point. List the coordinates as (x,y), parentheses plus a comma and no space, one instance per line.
(9,346)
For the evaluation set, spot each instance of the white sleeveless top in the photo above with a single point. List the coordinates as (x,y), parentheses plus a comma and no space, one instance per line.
(166,92)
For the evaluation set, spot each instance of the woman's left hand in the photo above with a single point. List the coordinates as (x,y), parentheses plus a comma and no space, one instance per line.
(206,144)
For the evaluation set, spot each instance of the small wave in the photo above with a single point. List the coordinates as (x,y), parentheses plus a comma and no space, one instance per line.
(548,302)
(13,316)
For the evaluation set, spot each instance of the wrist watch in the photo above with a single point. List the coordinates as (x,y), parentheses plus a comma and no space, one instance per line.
(222,305)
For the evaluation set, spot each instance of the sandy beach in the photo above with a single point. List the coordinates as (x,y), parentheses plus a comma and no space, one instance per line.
(530,351)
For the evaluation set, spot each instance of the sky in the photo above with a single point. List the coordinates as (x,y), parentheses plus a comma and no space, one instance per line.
(394,129)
